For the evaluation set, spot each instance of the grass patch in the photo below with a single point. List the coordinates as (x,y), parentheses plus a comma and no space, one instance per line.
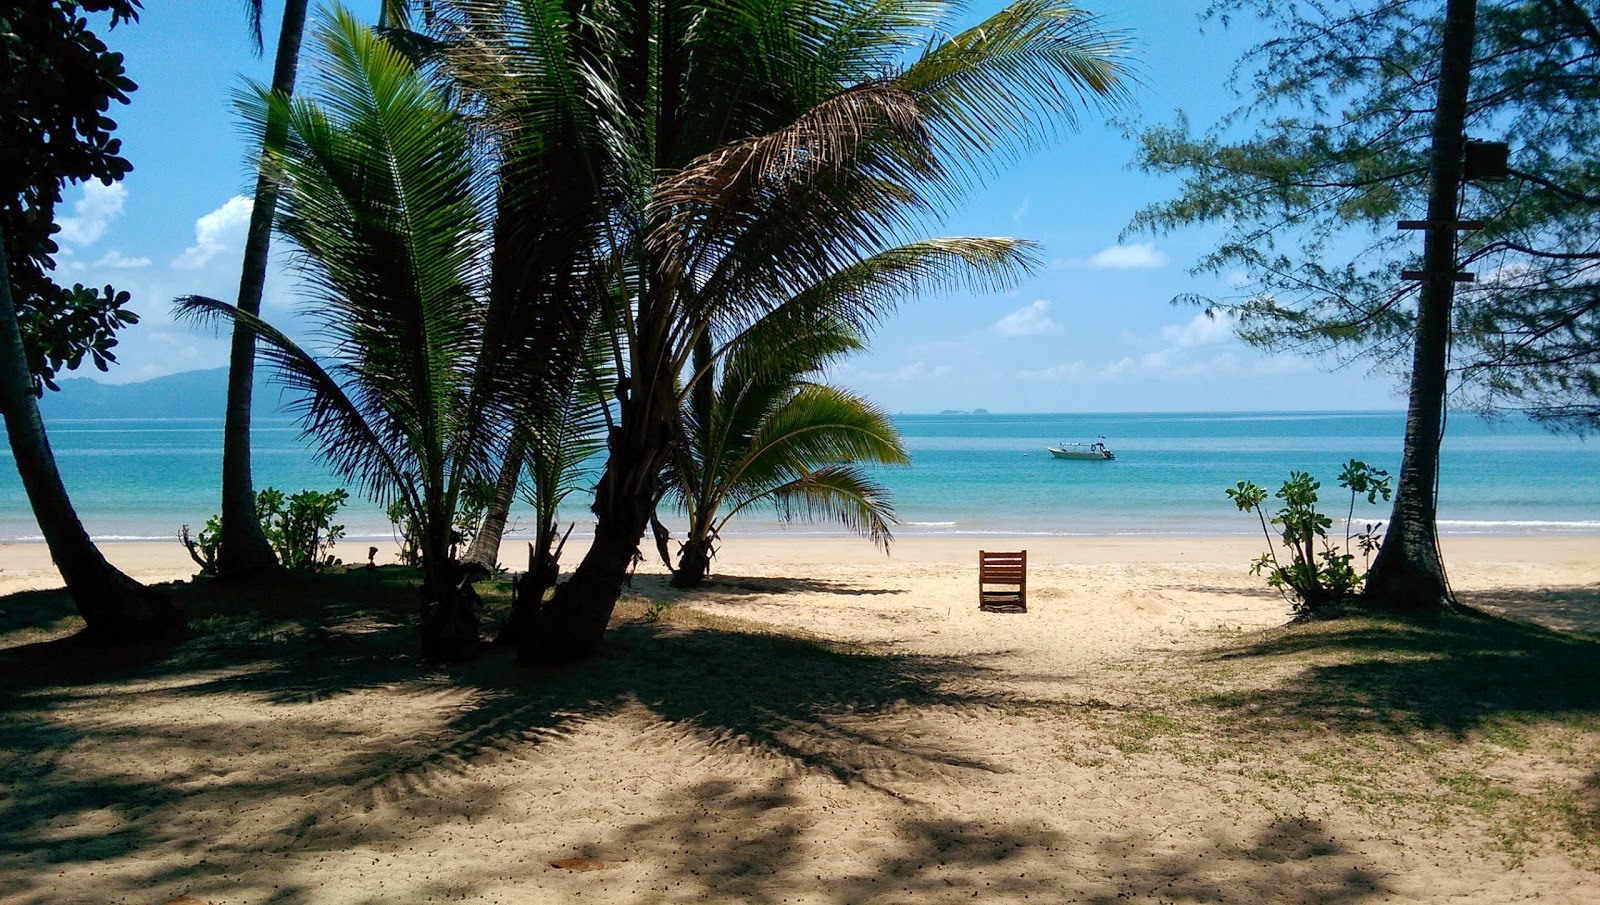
(1429,723)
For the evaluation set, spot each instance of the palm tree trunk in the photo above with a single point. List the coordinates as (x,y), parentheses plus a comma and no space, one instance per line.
(694,559)
(573,624)
(694,563)
(244,549)
(1408,573)
(485,549)
(113,606)
(449,625)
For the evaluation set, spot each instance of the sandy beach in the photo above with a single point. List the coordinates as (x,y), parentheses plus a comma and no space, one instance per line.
(825,724)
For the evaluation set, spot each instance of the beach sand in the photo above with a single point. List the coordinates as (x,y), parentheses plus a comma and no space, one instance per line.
(1144,733)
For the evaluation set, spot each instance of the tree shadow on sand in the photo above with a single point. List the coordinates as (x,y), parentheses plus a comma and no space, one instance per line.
(157,807)
(656,587)
(1449,673)
(163,785)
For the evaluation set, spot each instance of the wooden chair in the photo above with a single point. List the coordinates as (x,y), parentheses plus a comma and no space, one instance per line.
(1003,582)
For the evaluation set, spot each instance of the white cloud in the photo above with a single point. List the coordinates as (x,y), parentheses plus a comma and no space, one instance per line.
(1138,256)
(917,370)
(1117,368)
(99,205)
(1204,329)
(1066,371)
(1029,321)
(222,230)
(114,258)
(1128,257)
(1022,209)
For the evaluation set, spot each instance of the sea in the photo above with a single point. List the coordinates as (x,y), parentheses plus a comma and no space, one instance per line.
(970,474)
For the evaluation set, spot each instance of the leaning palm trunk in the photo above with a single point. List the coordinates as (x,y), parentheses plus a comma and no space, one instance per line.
(485,548)
(572,625)
(244,549)
(114,607)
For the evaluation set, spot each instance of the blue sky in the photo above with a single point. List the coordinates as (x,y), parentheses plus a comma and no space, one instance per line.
(1094,330)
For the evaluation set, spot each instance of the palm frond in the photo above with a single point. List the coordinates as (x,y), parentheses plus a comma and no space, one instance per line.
(841,493)
(861,294)
(1002,85)
(383,199)
(380,466)
(815,428)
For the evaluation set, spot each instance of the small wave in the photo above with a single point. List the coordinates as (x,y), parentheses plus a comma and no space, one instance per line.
(1587,525)
(930,524)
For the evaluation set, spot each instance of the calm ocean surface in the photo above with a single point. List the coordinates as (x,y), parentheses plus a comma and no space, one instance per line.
(970,474)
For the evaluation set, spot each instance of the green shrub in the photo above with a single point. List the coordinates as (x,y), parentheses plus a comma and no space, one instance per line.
(1319,575)
(300,529)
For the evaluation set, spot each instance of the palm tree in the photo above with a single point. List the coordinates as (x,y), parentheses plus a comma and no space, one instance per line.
(244,549)
(742,150)
(769,433)
(381,194)
(113,606)
(60,81)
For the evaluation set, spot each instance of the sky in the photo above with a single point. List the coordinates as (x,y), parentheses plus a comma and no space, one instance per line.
(1093,330)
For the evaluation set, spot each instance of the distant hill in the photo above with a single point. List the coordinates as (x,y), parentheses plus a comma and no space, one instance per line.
(190,394)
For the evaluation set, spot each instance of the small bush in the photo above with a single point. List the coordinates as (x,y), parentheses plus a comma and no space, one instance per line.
(300,529)
(1319,575)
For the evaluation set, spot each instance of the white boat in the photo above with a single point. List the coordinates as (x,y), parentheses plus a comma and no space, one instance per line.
(1095,451)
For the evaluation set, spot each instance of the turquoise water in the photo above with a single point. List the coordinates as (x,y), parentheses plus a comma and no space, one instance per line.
(970,474)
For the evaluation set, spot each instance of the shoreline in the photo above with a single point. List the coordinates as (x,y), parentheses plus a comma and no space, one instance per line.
(26,566)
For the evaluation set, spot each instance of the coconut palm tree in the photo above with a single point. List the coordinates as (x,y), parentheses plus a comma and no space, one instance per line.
(382,195)
(772,434)
(243,549)
(742,151)
(114,607)
(60,80)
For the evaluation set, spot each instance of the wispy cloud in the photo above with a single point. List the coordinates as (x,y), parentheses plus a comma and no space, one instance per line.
(114,258)
(1022,210)
(1204,329)
(1138,256)
(220,231)
(1067,371)
(93,212)
(1029,321)
(917,370)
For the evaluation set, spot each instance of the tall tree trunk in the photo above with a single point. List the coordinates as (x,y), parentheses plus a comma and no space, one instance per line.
(449,625)
(113,606)
(244,549)
(1408,573)
(694,556)
(573,624)
(485,549)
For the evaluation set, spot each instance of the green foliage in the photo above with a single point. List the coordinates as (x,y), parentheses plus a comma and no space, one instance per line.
(1307,178)
(203,547)
(770,434)
(476,497)
(300,529)
(1319,575)
(57,81)
(381,197)
(405,533)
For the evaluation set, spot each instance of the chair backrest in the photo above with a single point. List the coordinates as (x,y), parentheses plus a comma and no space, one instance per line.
(1003,568)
